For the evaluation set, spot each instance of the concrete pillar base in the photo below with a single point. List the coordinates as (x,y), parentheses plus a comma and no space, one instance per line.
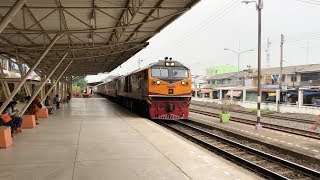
(258,126)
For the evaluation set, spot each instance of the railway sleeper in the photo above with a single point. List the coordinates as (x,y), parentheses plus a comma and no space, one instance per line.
(288,172)
(239,153)
(260,161)
(223,146)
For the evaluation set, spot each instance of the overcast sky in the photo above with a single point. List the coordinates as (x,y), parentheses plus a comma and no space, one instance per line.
(198,38)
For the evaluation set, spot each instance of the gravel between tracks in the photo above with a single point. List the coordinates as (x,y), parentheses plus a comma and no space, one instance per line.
(237,107)
(212,107)
(313,165)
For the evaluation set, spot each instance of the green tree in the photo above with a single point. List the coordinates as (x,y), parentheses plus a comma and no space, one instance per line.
(79,83)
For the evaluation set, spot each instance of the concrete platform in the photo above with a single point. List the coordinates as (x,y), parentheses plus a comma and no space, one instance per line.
(96,139)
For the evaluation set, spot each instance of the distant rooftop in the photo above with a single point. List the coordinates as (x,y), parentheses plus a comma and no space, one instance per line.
(271,71)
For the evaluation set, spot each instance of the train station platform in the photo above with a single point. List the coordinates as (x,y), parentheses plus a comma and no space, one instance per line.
(94,138)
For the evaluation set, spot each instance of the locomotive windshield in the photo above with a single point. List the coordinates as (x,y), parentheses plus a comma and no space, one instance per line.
(180,73)
(159,72)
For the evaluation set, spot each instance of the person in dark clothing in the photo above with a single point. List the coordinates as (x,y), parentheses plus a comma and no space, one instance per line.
(68,97)
(16,121)
(47,104)
(33,107)
(57,101)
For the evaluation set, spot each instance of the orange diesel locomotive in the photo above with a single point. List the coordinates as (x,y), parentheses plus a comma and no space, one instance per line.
(160,91)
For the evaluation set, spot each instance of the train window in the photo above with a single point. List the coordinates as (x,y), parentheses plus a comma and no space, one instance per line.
(180,73)
(159,72)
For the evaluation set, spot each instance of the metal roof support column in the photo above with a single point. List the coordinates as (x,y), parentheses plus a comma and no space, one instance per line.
(24,79)
(54,87)
(4,84)
(4,90)
(43,83)
(58,88)
(62,90)
(70,86)
(57,80)
(22,73)
(11,13)
(43,78)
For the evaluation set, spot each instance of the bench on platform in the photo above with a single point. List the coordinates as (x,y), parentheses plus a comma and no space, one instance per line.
(5,137)
(42,113)
(86,95)
(28,121)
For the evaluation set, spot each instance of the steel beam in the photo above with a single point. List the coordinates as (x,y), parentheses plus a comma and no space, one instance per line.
(25,86)
(4,90)
(14,92)
(57,80)
(4,83)
(43,84)
(11,13)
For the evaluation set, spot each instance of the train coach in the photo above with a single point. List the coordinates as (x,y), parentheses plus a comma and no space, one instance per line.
(162,90)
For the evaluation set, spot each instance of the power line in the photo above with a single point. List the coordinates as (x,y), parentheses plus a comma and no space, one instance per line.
(212,19)
(310,2)
(304,37)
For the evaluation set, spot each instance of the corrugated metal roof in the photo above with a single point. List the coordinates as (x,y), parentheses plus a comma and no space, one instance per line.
(98,34)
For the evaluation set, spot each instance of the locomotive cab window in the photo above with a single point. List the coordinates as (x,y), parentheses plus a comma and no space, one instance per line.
(180,73)
(159,72)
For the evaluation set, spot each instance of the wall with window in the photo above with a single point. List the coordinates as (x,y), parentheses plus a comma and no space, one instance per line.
(310,76)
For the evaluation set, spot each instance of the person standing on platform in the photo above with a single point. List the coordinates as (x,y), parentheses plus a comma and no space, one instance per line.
(47,104)
(68,96)
(57,101)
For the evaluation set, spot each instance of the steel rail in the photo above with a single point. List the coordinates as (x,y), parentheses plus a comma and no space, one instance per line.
(227,145)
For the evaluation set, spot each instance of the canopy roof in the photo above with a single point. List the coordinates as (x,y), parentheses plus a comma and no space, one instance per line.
(98,35)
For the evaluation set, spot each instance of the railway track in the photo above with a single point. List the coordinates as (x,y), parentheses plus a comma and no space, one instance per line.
(266,165)
(300,132)
(269,116)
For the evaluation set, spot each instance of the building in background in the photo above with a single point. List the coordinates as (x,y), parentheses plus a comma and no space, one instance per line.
(220,69)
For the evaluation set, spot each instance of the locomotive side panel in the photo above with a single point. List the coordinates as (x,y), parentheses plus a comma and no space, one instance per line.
(111,88)
(138,85)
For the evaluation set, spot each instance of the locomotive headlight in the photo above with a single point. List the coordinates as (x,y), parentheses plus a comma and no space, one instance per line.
(158,82)
(169,63)
(184,83)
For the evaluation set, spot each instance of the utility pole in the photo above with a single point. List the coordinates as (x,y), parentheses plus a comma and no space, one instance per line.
(259,8)
(281,62)
(239,58)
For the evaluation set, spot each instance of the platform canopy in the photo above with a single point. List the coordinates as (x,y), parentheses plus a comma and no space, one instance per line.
(98,35)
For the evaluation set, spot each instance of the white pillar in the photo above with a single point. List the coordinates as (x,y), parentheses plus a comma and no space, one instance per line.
(231,96)
(244,95)
(58,88)
(220,98)
(300,98)
(54,87)
(277,99)
(195,93)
